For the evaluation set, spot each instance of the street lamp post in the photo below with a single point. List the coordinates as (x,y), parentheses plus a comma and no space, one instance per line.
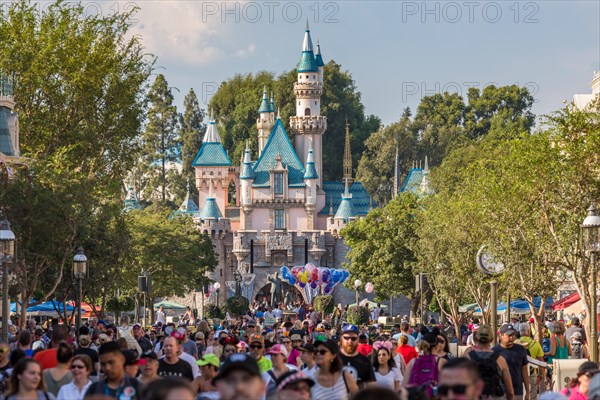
(217,287)
(492,267)
(590,243)
(79,272)
(7,252)
(357,285)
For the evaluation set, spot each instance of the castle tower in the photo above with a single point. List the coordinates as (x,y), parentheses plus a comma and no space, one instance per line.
(265,121)
(212,166)
(9,122)
(310,195)
(246,179)
(308,125)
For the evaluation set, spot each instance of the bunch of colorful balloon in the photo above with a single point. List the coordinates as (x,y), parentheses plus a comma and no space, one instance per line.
(314,277)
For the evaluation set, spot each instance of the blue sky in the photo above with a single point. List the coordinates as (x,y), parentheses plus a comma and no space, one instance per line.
(396,51)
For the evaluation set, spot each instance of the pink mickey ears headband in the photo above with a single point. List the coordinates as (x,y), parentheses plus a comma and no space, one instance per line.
(382,345)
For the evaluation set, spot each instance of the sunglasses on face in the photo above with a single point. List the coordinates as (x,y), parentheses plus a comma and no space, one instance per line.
(229,350)
(3,350)
(321,352)
(350,338)
(77,366)
(456,389)
(286,342)
(256,346)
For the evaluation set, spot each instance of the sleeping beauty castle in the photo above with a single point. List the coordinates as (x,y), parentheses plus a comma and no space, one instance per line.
(274,209)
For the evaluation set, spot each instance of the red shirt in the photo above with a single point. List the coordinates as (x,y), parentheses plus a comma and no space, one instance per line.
(365,349)
(47,358)
(408,352)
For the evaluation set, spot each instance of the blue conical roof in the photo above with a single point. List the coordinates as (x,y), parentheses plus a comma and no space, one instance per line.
(264,104)
(247,171)
(131,200)
(307,60)
(311,171)
(210,210)
(188,205)
(272,103)
(318,57)
(345,211)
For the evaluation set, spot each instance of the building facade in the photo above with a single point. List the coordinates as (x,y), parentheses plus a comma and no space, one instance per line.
(274,209)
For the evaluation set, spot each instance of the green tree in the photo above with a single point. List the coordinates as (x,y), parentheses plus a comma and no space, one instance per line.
(191,128)
(79,92)
(160,141)
(172,250)
(381,247)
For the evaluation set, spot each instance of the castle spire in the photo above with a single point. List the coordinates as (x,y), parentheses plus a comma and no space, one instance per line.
(318,56)
(272,103)
(307,43)
(264,104)
(347,178)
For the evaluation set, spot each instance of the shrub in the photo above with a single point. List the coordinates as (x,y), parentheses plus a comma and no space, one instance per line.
(324,304)
(212,311)
(358,315)
(237,305)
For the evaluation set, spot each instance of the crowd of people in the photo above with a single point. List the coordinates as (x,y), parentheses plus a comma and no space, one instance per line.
(302,355)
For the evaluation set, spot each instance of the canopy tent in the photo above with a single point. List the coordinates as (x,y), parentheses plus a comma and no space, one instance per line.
(565,302)
(467,307)
(48,308)
(86,308)
(520,306)
(371,304)
(168,305)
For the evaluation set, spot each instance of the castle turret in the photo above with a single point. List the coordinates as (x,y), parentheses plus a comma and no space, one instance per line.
(310,179)
(308,125)
(319,61)
(246,180)
(266,120)
(131,199)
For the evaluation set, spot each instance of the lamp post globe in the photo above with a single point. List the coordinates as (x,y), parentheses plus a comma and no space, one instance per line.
(590,243)
(7,252)
(357,285)
(79,272)
(217,287)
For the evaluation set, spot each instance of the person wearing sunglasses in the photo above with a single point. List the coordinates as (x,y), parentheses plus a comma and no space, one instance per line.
(332,380)
(459,380)
(359,366)
(578,386)
(81,368)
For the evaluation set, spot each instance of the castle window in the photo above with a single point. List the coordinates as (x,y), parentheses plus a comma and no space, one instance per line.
(279,219)
(307,111)
(313,77)
(278,182)
(306,76)
(315,102)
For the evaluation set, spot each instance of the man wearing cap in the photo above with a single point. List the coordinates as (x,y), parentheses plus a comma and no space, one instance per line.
(239,378)
(516,358)
(294,385)
(171,365)
(143,341)
(359,366)
(149,369)
(209,367)
(279,356)
(132,363)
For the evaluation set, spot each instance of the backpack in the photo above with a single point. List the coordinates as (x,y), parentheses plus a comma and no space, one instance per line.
(424,373)
(546,345)
(490,373)
(576,349)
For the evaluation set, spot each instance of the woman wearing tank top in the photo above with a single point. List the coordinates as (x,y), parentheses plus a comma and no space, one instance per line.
(332,382)
(560,348)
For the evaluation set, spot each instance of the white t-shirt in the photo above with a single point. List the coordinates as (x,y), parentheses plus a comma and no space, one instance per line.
(388,380)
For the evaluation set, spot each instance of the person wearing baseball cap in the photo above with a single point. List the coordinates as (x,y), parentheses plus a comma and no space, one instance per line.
(516,358)
(579,386)
(256,343)
(149,370)
(279,355)
(240,378)
(294,385)
(132,363)
(209,367)
(361,366)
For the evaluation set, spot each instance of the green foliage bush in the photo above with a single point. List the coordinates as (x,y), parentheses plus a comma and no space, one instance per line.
(358,315)
(237,305)
(324,303)
(212,311)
